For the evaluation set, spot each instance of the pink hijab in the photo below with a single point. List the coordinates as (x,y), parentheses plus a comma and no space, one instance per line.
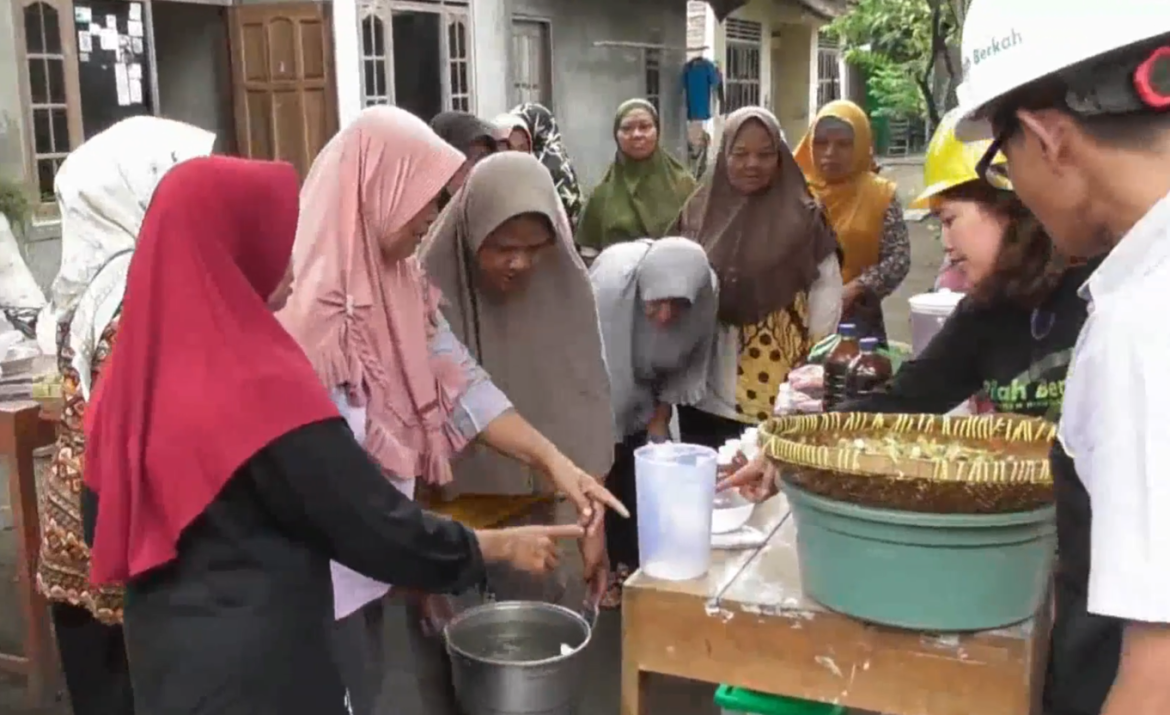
(360,321)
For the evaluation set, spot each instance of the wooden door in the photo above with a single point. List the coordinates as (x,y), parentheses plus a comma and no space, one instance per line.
(285,94)
(531,62)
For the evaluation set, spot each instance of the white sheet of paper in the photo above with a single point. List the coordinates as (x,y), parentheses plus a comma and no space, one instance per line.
(351,590)
(136,11)
(134,71)
(84,42)
(109,40)
(122,83)
(82,14)
(136,45)
(134,28)
(135,91)
(112,23)
(95,29)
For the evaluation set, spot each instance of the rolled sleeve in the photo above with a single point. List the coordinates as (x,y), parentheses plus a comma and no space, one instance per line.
(1116,425)
(481,401)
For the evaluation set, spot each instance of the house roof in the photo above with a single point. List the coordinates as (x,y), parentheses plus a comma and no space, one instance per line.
(827,9)
(723,8)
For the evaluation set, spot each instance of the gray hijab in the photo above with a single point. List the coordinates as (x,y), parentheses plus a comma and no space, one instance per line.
(648,363)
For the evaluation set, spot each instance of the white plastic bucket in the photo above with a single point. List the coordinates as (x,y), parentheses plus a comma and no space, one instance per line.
(676,496)
(928,312)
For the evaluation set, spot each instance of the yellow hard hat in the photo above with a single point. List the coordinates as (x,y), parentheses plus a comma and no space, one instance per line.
(951,163)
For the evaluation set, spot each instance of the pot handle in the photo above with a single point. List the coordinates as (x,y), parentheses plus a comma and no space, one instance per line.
(590,611)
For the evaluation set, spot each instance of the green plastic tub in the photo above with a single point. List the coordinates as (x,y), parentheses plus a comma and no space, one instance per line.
(933,572)
(749,702)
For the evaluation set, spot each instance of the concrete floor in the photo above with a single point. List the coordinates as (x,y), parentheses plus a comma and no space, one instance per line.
(602,667)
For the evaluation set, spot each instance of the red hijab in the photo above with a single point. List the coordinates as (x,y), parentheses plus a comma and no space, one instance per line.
(201,376)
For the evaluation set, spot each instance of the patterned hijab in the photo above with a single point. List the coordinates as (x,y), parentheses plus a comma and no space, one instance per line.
(541,346)
(549,148)
(765,248)
(637,198)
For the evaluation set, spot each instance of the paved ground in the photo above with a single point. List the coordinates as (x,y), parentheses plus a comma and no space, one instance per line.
(603,661)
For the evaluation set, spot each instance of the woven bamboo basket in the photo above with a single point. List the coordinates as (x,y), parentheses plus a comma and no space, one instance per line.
(1011,473)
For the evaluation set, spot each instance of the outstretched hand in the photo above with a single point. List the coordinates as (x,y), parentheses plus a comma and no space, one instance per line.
(756,480)
(587,493)
(532,549)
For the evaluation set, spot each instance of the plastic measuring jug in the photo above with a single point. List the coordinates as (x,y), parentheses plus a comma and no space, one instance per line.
(676,495)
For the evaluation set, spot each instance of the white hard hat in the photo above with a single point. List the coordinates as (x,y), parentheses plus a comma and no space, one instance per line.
(1010,43)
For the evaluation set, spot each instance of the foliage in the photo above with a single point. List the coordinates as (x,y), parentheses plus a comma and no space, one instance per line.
(901,42)
(896,93)
(15,203)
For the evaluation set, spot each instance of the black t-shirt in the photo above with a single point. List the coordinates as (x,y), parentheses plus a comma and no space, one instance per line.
(1019,358)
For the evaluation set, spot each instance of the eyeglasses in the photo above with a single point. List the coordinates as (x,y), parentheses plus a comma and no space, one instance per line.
(986,169)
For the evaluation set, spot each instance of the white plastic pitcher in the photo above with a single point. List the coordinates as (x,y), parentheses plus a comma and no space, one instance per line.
(928,312)
(676,495)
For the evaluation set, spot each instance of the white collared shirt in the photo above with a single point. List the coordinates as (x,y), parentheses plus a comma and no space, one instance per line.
(1116,422)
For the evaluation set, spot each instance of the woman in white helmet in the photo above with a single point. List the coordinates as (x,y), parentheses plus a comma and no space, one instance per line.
(1077,96)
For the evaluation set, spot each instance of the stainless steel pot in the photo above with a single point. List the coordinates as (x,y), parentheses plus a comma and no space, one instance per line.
(506,658)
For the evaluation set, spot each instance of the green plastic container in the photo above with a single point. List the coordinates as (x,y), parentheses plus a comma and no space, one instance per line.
(741,700)
(932,572)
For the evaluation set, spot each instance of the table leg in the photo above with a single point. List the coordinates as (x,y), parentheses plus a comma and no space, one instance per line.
(633,683)
(633,677)
(22,433)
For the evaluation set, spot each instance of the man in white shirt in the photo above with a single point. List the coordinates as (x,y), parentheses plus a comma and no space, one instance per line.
(1077,96)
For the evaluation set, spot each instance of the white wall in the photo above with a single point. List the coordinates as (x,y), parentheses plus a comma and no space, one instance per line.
(490,48)
(347,64)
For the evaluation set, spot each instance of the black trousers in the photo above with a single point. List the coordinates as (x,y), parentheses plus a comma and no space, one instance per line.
(698,427)
(357,646)
(93,658)
(621,535)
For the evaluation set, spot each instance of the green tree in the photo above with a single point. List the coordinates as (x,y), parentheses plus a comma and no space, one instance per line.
(900,44)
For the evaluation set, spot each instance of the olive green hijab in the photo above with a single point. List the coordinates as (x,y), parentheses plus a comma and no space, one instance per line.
(636,199)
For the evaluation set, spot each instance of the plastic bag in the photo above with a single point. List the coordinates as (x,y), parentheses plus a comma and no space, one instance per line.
(790,401)
(808,379)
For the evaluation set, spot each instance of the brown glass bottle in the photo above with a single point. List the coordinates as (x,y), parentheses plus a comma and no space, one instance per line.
(837,365)
(869,372)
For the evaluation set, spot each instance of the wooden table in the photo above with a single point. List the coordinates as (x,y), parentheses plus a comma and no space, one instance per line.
(749,624)
(21,432)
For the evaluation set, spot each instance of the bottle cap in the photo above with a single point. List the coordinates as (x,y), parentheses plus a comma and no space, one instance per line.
(869,344)
(847,330)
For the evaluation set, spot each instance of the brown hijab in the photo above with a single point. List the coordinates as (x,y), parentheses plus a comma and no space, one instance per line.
(765,248)
(542,347)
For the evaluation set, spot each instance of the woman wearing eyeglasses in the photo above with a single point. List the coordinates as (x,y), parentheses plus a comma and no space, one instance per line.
(1012,336)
